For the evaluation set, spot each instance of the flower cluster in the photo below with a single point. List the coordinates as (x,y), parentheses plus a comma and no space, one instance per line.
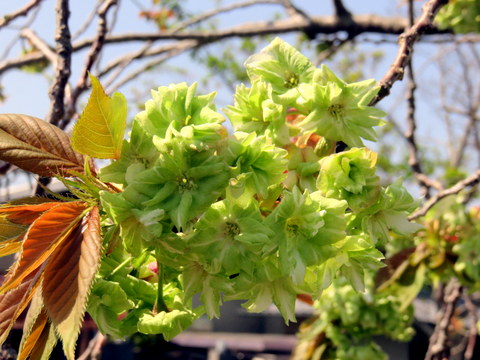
(262,214)
(346,322)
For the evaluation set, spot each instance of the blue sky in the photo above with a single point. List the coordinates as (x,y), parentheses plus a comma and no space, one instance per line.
(28,93)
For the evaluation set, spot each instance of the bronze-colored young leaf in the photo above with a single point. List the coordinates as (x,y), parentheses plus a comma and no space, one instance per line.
(38,336)
(26,214)
(37,146)
(100,129)
(15,219)
(45,234)
(45,344)
(34,336)
(68,278)
(395,266)
(15,301)
(10,236)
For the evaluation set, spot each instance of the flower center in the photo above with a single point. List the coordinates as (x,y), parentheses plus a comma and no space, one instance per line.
(231,229)
(336,111)
(292,227)
(292,80)
(186,184)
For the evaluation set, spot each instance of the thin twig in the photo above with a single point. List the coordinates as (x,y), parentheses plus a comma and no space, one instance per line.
(211,13)
(144,53)
(413,159)
(152,64)
(316,25)
(88,21)
(94,348)
(406,41)
(39,44)
(124,62)
(8,18)
(472,338)
(92,56)
(341,11)
(293,10)
(441,39)
(438,348)
(8,47)
(455,189)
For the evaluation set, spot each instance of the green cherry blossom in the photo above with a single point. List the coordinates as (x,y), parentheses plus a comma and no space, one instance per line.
(337,110)
(281,65)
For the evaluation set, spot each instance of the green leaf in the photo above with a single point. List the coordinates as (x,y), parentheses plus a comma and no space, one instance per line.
(100,129)
(37,146)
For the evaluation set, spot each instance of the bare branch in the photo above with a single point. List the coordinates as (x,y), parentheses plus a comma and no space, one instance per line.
(293,10)
(39,44)
(316,25)
(94,348)
(8,47)
(333,49)
(438,348)
(472,338)
(209,14)
(455,189)
(88,21)
(413,159)
(406,41)
(121,64)
(7,19)
(154,63)
(146,52)
(341,11)
(62,72)
(91,58)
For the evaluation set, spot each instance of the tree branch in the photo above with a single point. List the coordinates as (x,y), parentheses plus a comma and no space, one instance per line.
(87,21)
(438,348)
(406,41)
(154,63)
(8,18)
(62,73)
(341,11)
(39,44)
(455,189)
(413,159)
(209,14)
(317,25)
(94,348)
(91,58)
(472,339)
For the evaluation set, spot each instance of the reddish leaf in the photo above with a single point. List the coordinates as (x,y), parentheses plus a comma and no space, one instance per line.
(39,336)
(15,219)
(11,236)
(395,264)
(45,234)
(26,214)
(69,276)
(14,302)
(37,146)
(45,344)
(35,334)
